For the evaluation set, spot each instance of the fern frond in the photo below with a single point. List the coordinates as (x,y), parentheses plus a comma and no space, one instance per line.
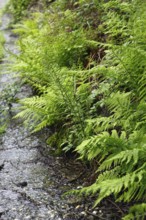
(130,183)
(100,124)
(119,104)
(103,143)
(127,156)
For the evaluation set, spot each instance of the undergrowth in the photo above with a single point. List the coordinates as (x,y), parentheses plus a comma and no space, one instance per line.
(86,62)
(20,8)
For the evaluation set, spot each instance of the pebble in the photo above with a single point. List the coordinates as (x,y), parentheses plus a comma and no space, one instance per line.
(79,187)
(95,212)
(83,213)
(77,207)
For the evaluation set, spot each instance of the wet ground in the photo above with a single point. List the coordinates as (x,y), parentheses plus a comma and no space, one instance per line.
(32,182)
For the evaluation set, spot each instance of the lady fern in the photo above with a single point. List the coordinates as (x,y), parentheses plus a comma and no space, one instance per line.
(92,86)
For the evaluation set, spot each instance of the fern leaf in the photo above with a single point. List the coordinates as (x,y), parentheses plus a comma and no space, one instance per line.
(127,156)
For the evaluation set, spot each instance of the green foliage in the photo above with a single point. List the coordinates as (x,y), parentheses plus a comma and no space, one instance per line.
(130,178)
(52,72)
(122,155)
(137,212)
(19,8)
(90,77)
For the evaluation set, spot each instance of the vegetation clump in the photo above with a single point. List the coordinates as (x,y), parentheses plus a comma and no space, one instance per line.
(86,61)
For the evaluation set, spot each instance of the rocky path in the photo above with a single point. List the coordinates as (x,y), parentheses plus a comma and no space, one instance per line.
(29,185)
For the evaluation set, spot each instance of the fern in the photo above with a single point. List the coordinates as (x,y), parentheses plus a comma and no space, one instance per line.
(102,145)
(90,77)
(129,183)
(124,156)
